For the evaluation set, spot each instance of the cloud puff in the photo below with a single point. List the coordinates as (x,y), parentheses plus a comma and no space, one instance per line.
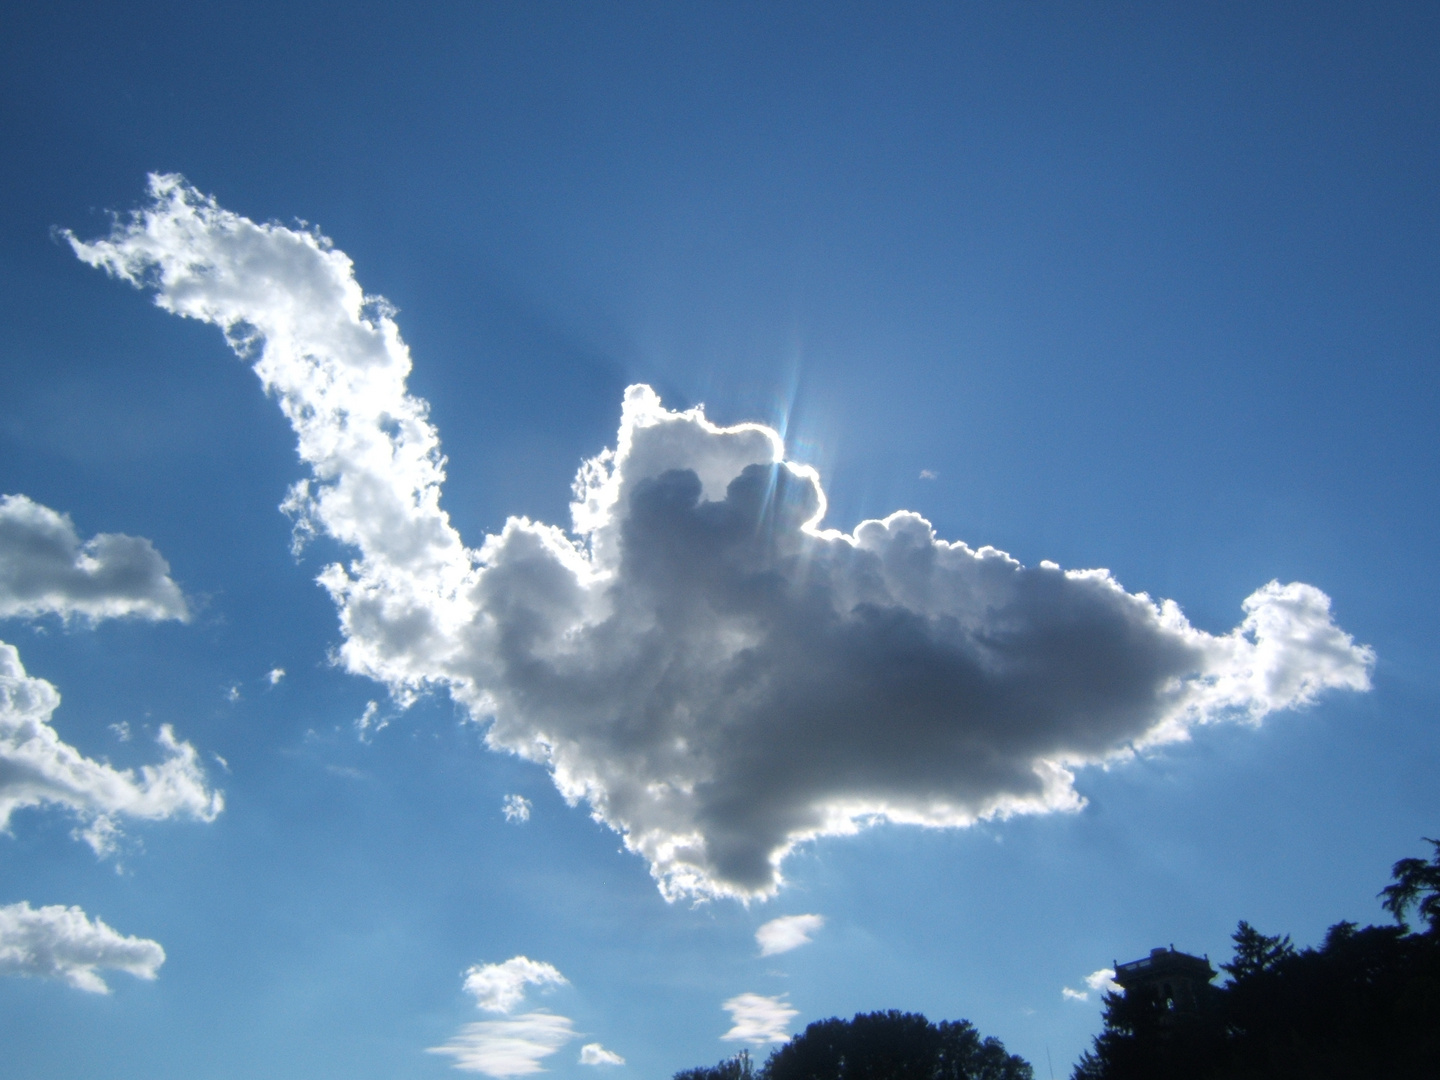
(595,1054)
(1103,979)
(516,809)
(787,932)
(57,942)
(716,675)
(501,987)
(45,569)
(37,768)
(513,1047)
(758,1019)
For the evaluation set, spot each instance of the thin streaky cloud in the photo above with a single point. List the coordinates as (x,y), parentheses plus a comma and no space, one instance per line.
(758,1019)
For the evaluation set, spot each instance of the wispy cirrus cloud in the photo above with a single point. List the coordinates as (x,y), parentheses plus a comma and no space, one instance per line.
(758,1019)
(56,942)
(45,568)
(715,674)
(37,768)
(787,932)
(511,1047)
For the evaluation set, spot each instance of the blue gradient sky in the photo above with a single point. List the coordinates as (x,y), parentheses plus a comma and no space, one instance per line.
(1143,288)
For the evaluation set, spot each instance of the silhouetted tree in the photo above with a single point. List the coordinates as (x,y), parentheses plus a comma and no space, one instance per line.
(1416,883)
(879,1046)
(1366,1003)
(739,1067)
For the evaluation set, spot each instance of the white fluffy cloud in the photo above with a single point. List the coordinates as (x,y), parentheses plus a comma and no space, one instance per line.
(57,942)
(45,568)
(758,1019)
(516,809)
(515,1045)
(501,987)
(787,932)
(716,675)
(595,1054)
(37,768)
(1102,979)
(511,1047)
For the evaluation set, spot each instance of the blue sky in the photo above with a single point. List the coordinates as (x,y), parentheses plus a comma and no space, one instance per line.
(1106,287)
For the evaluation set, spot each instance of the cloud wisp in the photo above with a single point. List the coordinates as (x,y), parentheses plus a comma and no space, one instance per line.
(787,932)
(45,568)
(758,1019)
(58,942)
(511,1047)
(37,768)
(515,1045)
(715,674)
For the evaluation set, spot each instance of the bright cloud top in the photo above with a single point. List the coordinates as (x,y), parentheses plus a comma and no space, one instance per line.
(595,1054)
(500,987)
(57,942)
(787,932)
(45,568)
(718,677)
(37,768)
(758,1019)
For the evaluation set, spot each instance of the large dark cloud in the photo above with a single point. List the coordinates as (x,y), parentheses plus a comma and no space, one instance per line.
(716,675)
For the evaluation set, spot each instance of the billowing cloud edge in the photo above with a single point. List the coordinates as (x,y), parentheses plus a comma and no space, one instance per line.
(38,769)
(660,657)
(45,568)
(56,942)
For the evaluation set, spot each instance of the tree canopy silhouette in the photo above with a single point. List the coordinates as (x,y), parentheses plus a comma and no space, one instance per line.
(878,1046)
(1366,1003)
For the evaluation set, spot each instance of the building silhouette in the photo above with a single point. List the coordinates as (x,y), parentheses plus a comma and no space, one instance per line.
(1175,979)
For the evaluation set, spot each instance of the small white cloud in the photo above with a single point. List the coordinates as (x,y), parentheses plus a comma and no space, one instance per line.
(928,474)
(275,675)
(787,932)
(500,987)
(1103,979)
(121,730)
(370,723)
(511,1047)
(517,808)
(233,694)
(57,942)
(1074,995)
(758,1019)
(46,569)
(36,768)
(595,1054)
